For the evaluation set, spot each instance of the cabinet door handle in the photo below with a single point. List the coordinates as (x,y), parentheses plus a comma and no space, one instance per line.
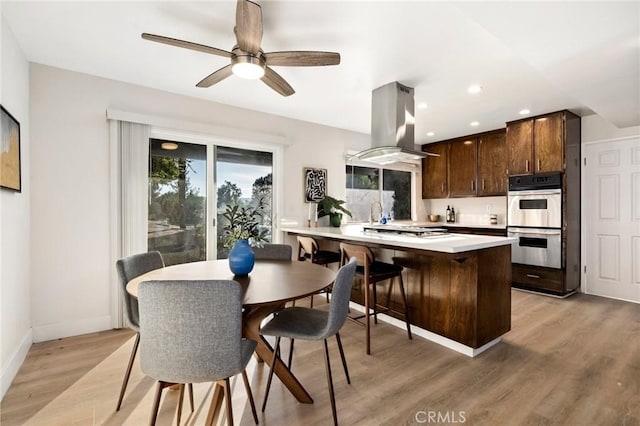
(483,184)
(443,187)
(526,162)
(473,186)
(533,276)
(538,164)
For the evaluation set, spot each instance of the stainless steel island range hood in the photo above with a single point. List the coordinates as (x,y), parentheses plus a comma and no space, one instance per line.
(392,126)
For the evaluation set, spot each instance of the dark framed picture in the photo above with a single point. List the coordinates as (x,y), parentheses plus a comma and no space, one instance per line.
(315,184)
(10,152)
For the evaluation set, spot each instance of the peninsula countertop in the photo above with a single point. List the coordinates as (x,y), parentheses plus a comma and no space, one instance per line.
(449,243)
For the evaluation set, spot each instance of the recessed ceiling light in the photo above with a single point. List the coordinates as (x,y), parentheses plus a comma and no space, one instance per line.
(422,105)
(474,123)
(476,88)
(169,146)
(430,134)
(524,111)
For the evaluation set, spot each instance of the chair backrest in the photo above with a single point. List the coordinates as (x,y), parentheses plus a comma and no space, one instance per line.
(273,252)
(363,254)
(308,244)
(190,331)
(340,296)
(129,268)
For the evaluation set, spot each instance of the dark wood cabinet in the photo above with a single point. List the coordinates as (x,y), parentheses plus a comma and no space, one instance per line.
(492,164)
(519,147)
(548,136)
(536,145)
(434,171)
(462,167)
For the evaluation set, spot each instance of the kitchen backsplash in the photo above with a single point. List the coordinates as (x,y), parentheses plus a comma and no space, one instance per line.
(472,211)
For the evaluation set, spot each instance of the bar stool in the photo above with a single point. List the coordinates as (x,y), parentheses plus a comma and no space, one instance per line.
(374,272)
(308,249)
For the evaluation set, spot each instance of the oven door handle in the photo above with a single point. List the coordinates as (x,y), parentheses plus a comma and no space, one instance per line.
(536,232)
(535,192)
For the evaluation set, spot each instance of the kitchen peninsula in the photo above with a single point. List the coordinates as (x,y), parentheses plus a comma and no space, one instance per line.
(458,286)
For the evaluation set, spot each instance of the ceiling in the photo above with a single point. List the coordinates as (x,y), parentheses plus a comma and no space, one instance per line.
(542,56)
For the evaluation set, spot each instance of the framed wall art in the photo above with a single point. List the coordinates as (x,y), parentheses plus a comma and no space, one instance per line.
(315,184)
(10,151)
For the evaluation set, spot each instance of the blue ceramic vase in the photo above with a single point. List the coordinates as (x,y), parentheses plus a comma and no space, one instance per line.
(241,258)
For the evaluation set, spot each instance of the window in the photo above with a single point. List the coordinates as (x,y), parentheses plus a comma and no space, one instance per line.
(185,178)
(367,185)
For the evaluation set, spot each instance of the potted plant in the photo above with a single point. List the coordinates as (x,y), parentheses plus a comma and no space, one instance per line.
(333,208)
(241,232)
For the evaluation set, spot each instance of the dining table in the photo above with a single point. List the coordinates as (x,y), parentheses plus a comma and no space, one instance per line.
(266,288)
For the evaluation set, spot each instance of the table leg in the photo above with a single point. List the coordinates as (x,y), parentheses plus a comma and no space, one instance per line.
(251,330)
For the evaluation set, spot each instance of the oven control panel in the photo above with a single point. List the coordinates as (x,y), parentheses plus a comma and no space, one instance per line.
(532,182)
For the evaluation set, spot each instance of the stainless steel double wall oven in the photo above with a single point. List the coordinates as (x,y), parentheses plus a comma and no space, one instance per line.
(534,216)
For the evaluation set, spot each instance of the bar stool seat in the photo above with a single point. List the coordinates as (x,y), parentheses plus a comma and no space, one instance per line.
(322,257)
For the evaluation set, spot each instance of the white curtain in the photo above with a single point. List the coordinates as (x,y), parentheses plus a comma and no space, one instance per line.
(133,143)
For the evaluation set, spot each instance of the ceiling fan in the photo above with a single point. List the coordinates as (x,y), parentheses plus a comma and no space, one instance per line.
(248,60)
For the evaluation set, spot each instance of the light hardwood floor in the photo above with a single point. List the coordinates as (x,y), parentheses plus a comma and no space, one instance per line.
(566,362)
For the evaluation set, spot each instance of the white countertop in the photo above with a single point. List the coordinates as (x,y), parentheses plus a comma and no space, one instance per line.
(450,243)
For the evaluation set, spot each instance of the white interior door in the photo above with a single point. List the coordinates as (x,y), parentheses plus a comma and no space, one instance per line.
(612,214)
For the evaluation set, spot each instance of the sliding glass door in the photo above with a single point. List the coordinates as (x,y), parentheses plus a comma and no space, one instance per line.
(190,186)
(243,178)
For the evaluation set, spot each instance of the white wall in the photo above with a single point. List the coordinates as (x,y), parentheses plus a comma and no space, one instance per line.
(596,128)
(70,162)
(15,313)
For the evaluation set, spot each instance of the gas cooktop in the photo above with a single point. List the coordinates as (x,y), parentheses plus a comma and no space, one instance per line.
(419,231)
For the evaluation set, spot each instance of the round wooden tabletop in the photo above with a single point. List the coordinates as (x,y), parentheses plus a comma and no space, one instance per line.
(271,281)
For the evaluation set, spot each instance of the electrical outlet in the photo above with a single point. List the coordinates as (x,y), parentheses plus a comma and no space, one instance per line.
(489,208)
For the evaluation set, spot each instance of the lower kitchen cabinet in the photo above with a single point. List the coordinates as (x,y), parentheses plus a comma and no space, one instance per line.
(538,278)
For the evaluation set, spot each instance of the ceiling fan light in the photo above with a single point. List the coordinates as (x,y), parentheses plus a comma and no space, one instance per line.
(248,70)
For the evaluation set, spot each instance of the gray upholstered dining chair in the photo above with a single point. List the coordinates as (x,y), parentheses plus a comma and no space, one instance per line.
(313,324)
(273,252)
(191,332)
(129,268)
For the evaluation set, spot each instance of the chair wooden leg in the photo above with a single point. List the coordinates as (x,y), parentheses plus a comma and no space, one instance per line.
(311,304)
(332,397)
(276,350)
(125,380)
(375,304)
(247,387)
(406,307)
(180,399)
(290,354)
(227,397)
(367,317)
(191,396)
(156,402)
(344,360)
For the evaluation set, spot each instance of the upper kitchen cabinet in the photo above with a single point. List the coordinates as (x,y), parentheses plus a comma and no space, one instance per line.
(492,164)
(462,167)
(537,145)
(434,171)
(519,147)
(548,138)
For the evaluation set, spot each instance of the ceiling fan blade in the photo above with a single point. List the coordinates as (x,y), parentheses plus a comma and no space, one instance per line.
(215,77)
(186,44)
(248,27)
(301,58)
(277,83)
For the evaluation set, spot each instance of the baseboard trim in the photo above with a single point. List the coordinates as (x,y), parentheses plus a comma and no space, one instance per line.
(433,337)
(15,362)
(63,329)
